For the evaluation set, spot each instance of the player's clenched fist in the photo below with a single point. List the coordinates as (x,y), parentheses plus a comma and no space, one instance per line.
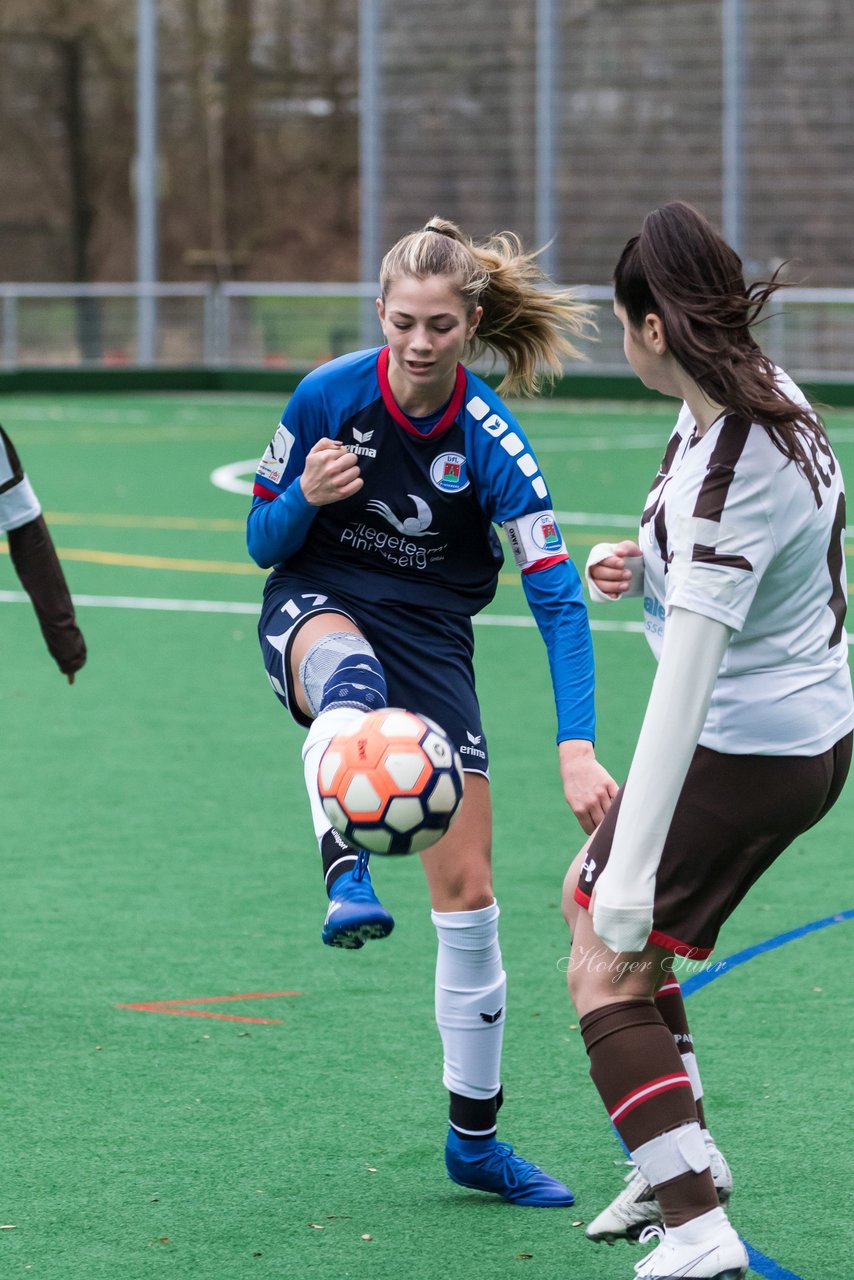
(613,568)
(331,473)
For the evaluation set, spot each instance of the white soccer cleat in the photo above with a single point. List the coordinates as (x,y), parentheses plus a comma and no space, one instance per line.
(636,1206)
(719,1255)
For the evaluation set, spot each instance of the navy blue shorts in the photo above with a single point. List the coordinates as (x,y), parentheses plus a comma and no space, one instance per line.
(427,658)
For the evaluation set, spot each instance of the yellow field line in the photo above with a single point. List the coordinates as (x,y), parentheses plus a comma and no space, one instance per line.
(128,561)
(221,525)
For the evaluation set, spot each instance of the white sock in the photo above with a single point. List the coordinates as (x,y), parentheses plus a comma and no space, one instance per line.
(323,730)
(470,999)
(698,1230)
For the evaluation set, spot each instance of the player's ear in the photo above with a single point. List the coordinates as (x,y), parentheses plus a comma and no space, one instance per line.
(380,310)
(653,327)
(474,321)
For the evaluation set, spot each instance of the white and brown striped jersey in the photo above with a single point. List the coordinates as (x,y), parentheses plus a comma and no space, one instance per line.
(735,531)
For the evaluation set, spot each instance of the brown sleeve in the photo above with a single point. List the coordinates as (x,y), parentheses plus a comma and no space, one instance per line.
(37,565)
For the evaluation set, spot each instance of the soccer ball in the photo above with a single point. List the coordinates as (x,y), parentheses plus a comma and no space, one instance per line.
(391,782)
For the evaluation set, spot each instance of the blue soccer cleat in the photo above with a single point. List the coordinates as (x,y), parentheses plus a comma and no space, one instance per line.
(483,1164)
(355,912)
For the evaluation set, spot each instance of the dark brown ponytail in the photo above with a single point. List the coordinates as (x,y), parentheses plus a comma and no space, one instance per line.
(681,270)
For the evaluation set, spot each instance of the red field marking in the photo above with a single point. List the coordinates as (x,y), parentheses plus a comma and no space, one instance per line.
(179,1007)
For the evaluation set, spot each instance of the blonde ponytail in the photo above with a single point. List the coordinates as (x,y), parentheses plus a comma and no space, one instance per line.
(526,320)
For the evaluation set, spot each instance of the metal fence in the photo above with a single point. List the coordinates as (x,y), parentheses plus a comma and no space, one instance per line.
(810,332)
(568,120)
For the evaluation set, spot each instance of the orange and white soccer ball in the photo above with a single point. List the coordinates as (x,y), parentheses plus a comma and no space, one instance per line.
(391,782)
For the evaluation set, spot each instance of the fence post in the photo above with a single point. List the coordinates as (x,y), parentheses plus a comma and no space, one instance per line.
(10,330)
(546,148)
(146,180)
(370,160)
(732,140)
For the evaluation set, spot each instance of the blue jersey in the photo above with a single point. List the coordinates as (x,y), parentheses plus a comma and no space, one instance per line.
(420,532)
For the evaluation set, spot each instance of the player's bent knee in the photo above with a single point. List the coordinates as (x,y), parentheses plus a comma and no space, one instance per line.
(342,670)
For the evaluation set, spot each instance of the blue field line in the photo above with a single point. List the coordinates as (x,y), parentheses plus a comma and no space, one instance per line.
(759,1262)
(718,969)
(767,1266)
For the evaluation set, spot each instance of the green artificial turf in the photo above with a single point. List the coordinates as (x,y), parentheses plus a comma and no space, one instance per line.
(157,847)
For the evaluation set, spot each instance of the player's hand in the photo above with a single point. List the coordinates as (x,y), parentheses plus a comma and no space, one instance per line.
(331,473)
(622,927)
(587,786)
(611,574)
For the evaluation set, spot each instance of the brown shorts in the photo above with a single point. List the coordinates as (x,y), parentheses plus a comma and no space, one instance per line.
(735,815)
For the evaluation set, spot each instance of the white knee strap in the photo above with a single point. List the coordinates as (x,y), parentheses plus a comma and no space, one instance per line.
(671,1154)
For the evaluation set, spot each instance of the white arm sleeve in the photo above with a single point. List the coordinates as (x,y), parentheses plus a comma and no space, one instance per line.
(634,564)
(691,655)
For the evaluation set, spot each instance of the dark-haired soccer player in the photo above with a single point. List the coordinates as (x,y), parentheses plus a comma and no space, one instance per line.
(746,740)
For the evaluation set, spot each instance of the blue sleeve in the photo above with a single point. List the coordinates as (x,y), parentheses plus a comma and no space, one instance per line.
(556,600)
(504,468)
(277,528)
(280,516)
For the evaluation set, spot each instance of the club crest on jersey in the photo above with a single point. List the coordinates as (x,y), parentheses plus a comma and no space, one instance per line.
(545,533)
(448,472)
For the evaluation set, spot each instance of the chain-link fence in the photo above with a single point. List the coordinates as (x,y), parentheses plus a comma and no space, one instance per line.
(602,109)
(564,120)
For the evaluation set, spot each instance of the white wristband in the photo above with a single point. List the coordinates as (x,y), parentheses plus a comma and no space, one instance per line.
(600,552)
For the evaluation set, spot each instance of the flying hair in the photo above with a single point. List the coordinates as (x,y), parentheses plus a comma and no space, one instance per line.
(680,269)
(527,320)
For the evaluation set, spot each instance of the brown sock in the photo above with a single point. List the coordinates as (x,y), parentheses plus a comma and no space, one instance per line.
(671,1006)
(638,1070)
(686,1197)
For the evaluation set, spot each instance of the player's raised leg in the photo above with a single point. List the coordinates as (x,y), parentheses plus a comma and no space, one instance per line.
(337,678)
(470,1009)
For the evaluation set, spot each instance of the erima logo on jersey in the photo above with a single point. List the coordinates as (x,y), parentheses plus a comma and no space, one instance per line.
(512,443)
(472,751)
(360,447)
(474,738)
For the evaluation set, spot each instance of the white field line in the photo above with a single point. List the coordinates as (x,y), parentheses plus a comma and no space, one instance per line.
(167,605)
